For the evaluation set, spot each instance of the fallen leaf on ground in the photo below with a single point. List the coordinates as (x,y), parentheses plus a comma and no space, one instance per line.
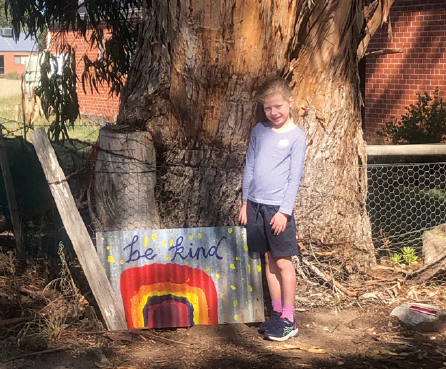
(313,349)
(324,253)
(383,354)
(369,295)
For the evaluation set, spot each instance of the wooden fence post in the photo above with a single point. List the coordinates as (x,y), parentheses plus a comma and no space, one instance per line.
(10,194)
(110,308)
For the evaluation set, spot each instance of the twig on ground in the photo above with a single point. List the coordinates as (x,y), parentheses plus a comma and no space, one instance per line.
(34,294)
(328,279)
(299,269)
(12,321)
(50,303)
(49,351)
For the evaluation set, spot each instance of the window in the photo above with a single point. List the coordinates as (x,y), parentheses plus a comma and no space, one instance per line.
(2,64)
(20,59)
(6,32)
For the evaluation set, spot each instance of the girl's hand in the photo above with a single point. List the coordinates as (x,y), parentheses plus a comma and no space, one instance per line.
(278,223)
(243,218)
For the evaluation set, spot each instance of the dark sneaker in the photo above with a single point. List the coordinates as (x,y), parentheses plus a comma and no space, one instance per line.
(282,330)
(273,318)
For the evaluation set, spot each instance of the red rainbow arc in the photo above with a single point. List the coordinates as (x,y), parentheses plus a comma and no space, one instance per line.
(168,295)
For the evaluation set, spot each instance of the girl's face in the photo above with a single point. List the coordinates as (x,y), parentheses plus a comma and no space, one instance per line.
(277,109)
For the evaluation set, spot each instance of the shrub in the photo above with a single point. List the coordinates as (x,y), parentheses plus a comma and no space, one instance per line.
(424,122)
(11,75)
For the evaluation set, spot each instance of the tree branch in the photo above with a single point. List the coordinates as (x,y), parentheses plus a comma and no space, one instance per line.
(380,17)
(328,278)
(384,52)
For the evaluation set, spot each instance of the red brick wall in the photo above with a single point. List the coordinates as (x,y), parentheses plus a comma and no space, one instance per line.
(10,66)
(392,81)
(98,106)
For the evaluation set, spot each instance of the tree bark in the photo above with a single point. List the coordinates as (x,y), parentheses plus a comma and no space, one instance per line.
(192,87)
(332,200)
(125,181)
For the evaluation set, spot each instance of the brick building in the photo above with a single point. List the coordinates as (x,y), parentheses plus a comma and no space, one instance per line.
(96,106)
(14,53)
(392,80)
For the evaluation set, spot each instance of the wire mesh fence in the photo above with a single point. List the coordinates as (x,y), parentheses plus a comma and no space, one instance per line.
(41,223)
(407,207)
(406,201)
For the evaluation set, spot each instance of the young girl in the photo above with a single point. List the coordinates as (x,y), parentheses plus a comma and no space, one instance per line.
(274,165)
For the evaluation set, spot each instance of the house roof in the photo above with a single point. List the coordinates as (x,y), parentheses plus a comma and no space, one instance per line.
(134,11)
(23,44)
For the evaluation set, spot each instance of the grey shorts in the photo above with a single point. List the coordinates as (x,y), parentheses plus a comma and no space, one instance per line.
(260,236)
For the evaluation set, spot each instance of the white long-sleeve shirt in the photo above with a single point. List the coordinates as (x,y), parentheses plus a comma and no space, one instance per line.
(274,166)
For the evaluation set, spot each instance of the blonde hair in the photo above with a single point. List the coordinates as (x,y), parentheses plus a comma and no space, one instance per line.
(274,85)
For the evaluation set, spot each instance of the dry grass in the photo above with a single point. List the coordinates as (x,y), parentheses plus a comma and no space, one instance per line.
(65,309)
(82,130)
(7,263)
(55,307)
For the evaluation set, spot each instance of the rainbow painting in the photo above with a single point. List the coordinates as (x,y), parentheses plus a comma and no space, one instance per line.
(183,277)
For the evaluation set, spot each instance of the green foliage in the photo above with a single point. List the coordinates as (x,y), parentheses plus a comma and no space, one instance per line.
(41,40)
(121,18)
(4,22)
(424,122)
(397,259)
(11,75)
(58,93)
(406,257)
(109,26)
(409,256)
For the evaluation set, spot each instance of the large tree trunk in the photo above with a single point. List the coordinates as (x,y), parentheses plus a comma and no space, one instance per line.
(124,181)
(191,86)
(332,201)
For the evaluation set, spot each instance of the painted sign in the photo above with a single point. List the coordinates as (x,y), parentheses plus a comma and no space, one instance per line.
(183,277)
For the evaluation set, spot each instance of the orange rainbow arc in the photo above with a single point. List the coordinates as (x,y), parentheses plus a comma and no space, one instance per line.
(168,295)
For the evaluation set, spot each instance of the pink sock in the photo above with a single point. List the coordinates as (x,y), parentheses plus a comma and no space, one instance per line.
(277,305)
(288,313)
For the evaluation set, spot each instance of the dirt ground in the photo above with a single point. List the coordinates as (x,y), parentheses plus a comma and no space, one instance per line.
(348,339)
(47,322)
